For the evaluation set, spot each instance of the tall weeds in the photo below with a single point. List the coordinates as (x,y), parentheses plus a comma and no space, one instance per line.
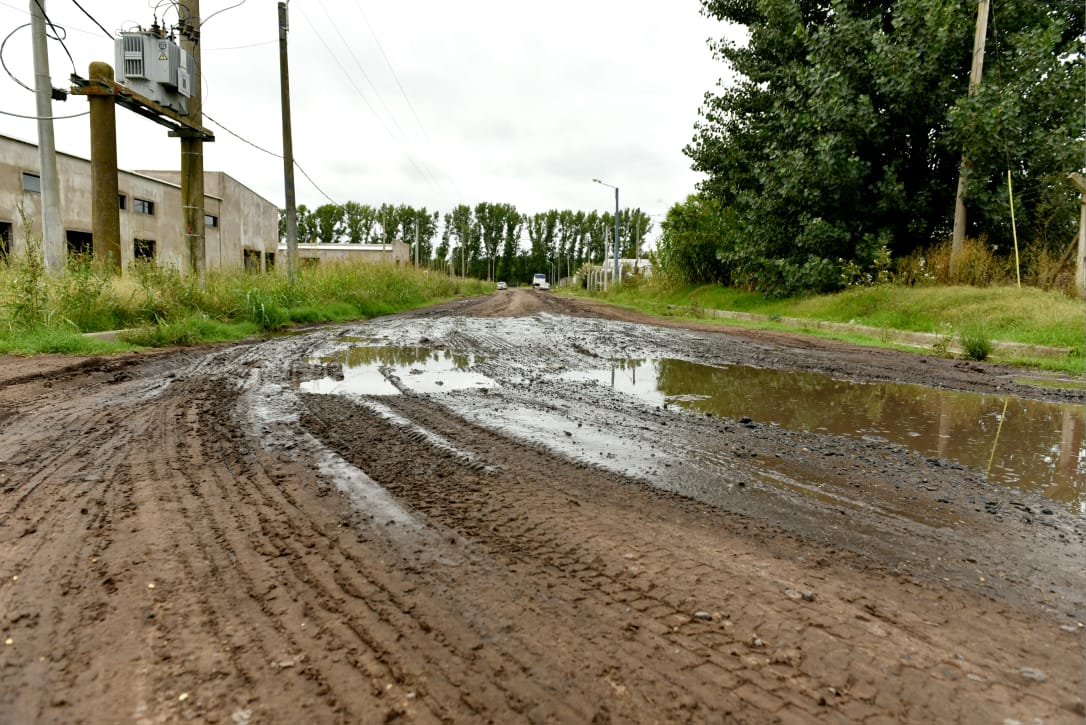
(164,307)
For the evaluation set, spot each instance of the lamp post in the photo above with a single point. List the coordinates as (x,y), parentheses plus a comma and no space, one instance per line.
(604,183)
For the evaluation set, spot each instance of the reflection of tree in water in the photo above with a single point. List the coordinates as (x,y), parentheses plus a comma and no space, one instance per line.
(404,357)
(1039,445)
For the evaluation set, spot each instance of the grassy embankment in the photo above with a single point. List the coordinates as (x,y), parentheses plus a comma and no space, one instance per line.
(40,312)
(974,319)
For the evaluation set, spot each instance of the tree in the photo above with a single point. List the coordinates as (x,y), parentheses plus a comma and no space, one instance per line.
(841,139)
(688,249)
(492,220)
(306,223)
(507,266)
(328,220)
(358,222)
(425,223)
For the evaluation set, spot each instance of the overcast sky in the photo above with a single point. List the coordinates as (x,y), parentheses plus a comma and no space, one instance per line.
(428,103)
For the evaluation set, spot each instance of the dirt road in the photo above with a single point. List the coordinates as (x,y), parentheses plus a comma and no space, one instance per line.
(259,533)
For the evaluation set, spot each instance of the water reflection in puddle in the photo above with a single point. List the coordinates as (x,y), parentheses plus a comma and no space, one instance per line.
(366,371)
(1028,444)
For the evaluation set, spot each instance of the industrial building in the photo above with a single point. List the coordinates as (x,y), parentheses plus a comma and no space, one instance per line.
(309,254)
(241,226)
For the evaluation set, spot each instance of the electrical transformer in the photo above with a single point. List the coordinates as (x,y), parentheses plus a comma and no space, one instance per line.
(156,68)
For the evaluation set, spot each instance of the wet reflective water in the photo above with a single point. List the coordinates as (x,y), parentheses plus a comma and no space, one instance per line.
(366,371)
(1028,444)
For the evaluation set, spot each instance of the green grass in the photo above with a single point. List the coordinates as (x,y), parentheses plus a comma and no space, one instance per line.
(973,316)
(56,340)
(156,307)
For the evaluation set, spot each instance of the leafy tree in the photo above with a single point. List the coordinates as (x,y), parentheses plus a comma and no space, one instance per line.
(306,224)
(359,221)
(841,138)
(458,234)
(492,221)
(508,265)
(328,220)
(688,249)
(426,224)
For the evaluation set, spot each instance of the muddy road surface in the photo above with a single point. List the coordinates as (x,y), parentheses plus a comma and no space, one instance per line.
(522,508)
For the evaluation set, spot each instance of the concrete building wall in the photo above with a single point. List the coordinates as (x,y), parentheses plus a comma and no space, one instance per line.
(151,211)
(245,225)
(396,252)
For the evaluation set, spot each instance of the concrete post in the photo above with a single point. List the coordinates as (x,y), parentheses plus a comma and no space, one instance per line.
(105,210)
(288,148)
(1080,258)
(957,244)
(52,232)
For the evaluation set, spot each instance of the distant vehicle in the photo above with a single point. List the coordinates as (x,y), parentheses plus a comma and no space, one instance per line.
(501,285)
(544,285)
(539,280)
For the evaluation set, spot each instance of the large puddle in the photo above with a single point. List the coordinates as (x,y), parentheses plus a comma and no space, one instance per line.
(1028,444)
(366,371)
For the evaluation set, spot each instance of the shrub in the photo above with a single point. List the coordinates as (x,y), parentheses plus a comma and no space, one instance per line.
(976,345)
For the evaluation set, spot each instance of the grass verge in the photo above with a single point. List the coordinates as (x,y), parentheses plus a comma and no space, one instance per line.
(158,307)
(974,319)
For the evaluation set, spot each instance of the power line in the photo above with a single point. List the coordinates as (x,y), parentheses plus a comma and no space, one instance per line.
(93,19)
(4,64)
(272,153)
(403,92)
(408,151)
(43,118)
(242,47)
(20,115)
(56,33)
(209,17)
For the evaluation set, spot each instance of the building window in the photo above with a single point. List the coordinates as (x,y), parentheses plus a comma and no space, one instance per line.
(5,241)
(252,260)
(122,202)
(269,260)
(143,249)
(211,220)
(143,206)
(31,182)
(79,243)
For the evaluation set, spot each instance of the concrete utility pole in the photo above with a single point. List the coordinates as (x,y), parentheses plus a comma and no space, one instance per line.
(958,238)
(105,210)
(192,146)
(416,241)
(617,272)
(1080,259)
(288,148)
(52,237)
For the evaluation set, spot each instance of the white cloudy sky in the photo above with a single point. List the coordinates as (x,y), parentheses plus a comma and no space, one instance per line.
(425,102)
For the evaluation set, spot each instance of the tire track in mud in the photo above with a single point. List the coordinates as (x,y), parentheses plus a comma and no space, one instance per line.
(700,646)
(519,586)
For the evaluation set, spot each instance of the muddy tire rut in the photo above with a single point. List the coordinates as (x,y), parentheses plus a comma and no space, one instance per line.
(189,537)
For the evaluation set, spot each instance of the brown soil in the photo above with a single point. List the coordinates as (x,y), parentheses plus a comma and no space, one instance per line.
(186,536)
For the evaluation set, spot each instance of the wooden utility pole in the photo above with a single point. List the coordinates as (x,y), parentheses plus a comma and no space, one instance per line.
(192,145)
(53,247)
(105,210)
(288,148)
(977,70)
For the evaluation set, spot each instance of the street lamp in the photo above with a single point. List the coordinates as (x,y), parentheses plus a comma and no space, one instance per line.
(604,183)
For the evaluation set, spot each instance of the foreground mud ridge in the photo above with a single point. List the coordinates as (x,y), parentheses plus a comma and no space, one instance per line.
(481,531)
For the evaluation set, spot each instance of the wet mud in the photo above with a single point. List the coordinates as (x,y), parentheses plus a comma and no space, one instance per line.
(454,515)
